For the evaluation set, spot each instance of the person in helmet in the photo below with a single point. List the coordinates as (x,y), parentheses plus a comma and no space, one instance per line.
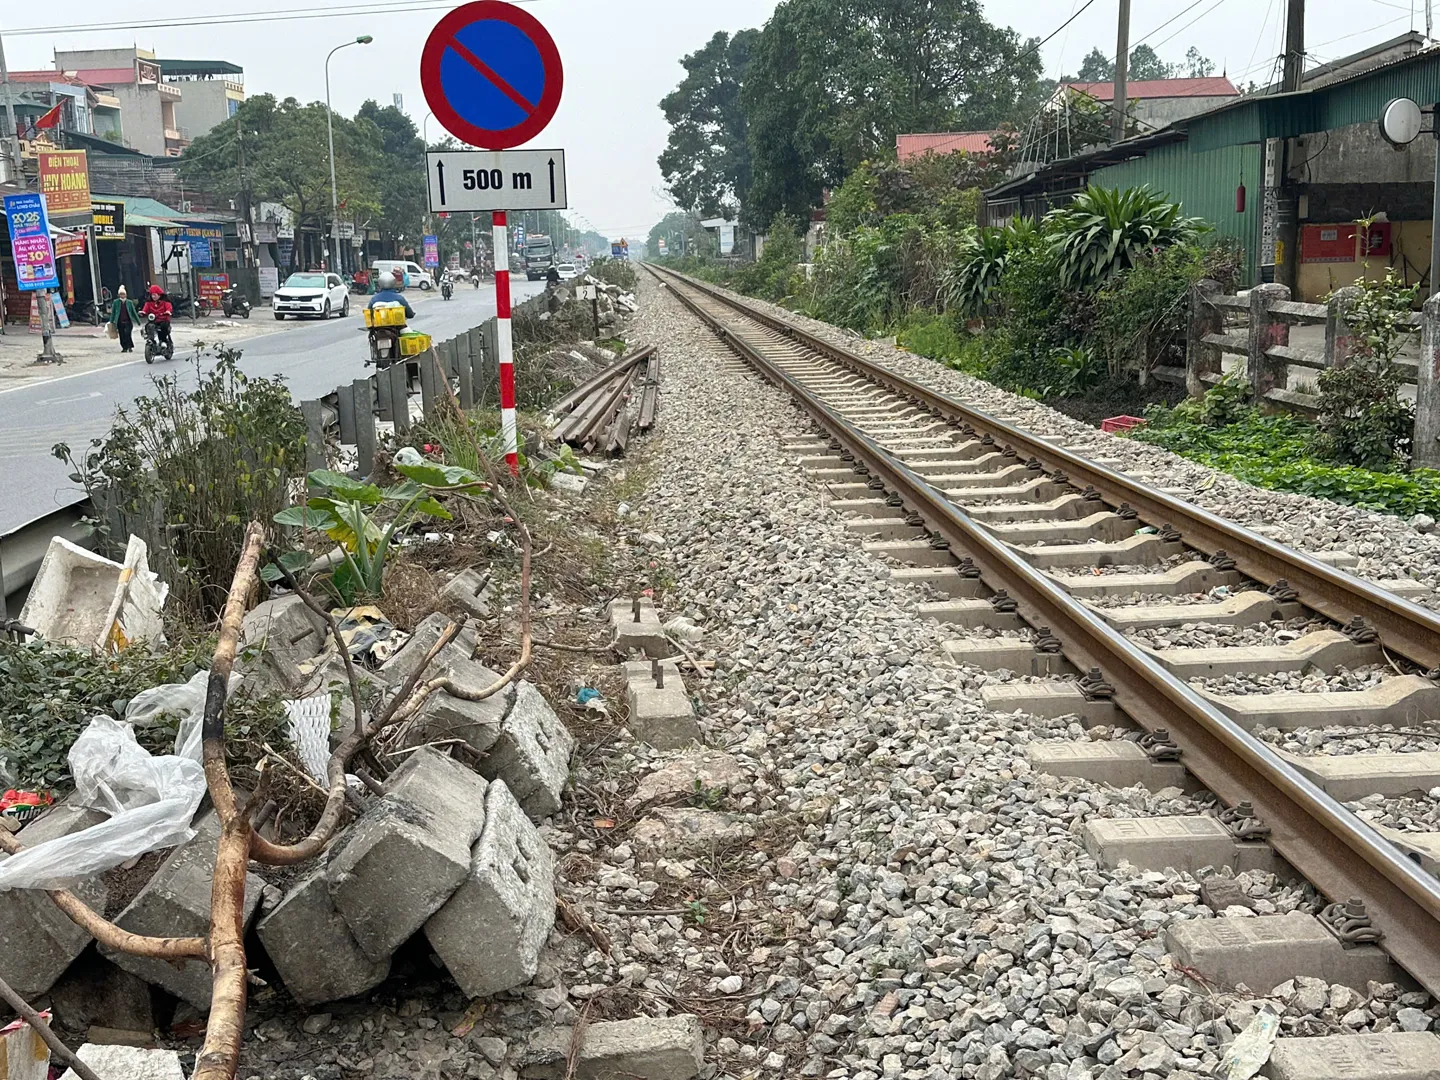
(389,292)
(158,305)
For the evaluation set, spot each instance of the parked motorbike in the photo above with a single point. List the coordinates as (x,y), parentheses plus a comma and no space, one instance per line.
(234,302)
(153,345)
(447,288)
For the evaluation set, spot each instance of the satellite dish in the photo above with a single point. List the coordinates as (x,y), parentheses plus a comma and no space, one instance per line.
(1400,122)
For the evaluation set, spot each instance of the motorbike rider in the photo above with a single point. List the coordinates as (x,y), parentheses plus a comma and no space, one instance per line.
(159,305)
(389,293)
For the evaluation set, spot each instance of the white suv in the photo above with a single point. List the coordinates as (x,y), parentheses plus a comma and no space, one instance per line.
(312,292)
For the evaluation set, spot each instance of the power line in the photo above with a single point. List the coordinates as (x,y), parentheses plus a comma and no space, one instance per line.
(1192,22)
(279,15)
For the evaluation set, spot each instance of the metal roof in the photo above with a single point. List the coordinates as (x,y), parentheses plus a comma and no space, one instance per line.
(942,142)
(199,67)
(1086,162)
(1211,86)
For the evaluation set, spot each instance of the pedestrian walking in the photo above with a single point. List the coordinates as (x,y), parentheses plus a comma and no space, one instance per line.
(124,317)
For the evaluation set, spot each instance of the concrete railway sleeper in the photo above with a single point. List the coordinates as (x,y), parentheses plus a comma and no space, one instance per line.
(1021,532)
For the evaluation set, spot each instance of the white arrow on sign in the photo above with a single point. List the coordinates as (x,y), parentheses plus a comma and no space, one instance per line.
(466,181)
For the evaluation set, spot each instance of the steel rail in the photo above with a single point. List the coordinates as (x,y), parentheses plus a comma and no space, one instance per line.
(1327,844)
(1406,628)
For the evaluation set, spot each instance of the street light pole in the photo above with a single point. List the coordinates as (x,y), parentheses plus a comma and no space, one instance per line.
(363,39)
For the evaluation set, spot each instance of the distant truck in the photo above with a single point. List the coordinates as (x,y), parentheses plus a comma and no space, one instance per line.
(539,256)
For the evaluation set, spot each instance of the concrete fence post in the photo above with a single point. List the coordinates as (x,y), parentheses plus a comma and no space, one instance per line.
(1426,452)
(1202,358)
(1339,339)
(1266,331)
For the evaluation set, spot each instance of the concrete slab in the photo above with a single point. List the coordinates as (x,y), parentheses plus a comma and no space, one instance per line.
(1102,525)
(1407,589)
(988,462)
(644,635)
(1353,777)
(455,657)
(469,591)
(951,477)
(883,529)
(1422,848)
(408,852)
(663,717)
(476,723)
(532,754)
(1048,699)
(835,475)
(1066,507)
(642,1048)
(1322,650)
(1138,550)
(490,931)
(38,941)
(961,451)
(1011,654)
(312,947)
(1191,577)
(1117,762)
(867,508)
(278,637)
(911,552)
(128,1063)
(176,903)
(1265,950)
(1342,560)
(1402,701)
(1041,489)
(1160,843)
(971,614)
(1394,1055)
(1243,609)
(946,579)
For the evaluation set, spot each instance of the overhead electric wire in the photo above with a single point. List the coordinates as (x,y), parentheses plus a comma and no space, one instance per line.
(278,15)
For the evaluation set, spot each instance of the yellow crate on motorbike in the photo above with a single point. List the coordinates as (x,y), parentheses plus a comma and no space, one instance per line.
(385,316)
(413,343)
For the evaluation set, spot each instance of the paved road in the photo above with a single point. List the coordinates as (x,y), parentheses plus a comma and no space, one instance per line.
(314,358)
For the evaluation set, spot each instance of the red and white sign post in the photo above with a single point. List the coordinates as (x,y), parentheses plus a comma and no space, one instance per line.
(460,72)
(505,342)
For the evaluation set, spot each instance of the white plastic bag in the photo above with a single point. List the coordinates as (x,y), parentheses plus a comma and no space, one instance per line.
(150,799)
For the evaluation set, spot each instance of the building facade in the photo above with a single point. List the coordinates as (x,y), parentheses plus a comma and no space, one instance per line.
(147,103)
(211,91)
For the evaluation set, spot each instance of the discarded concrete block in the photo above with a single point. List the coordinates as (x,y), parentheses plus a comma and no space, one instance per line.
(128,1063)
(1397,1055)
(532,753)
(1180,843)
(490,932)
(477,723)
(1118,762)
(1265,950)
(38,941)
(408,853)
(454,658)
(286,635)
(644,1048)
(104,1001)
(636,627)
(676,832)
(312,947)
(700,772)
(176,903)
(470,591)
(660,715)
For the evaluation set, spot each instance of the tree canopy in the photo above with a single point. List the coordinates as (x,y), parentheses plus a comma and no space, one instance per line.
(1145,63)
(706,163)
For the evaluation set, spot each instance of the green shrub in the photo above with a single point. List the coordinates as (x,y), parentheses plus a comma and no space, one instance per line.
(972,278)
(1141,315)
(935,336)
(1106,230)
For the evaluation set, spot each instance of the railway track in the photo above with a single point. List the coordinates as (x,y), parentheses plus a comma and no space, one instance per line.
(1059,567)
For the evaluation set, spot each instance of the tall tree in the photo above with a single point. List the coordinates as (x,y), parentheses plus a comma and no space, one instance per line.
(832,82)
(1197,66)
(706,162)
(1145,63)
(1096,67)
(399,170)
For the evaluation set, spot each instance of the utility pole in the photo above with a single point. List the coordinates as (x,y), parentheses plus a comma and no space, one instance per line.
(1294,68)
(1122,72)
(1287,201)
(12,137)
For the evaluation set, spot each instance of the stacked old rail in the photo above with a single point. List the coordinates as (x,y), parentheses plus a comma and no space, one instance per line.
(602,412)
(959,490)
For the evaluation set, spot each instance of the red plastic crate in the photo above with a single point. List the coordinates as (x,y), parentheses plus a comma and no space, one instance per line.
(1122,423)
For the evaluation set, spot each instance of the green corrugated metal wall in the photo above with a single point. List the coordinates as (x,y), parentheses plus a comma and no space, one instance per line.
(1204,183)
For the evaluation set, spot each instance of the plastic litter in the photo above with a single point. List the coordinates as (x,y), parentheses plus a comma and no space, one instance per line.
(82,599)
(1252,1048)
(1220,592)
(586,695)
(683,629)
(19,808)
(23,1054)
(309,729)
(150,799)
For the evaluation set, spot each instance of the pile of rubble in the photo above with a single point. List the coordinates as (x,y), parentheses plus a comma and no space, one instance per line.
(609,305)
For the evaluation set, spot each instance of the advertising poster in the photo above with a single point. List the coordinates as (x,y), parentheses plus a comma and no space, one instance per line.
(212,286)
(432,250)
(109,219)
(64,181)
(30,242)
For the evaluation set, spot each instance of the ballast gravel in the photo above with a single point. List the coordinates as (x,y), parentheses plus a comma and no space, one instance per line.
(916,902)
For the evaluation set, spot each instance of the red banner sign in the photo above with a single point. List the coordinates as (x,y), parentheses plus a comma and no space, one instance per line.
(65,181)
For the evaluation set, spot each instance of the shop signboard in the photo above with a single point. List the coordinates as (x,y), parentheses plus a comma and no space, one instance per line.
(65,182)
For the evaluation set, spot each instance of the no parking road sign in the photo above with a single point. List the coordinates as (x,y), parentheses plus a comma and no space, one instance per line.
(471,180)
(491,74)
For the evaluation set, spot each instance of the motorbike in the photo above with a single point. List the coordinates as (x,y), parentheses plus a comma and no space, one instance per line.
(234,302)
(447,288)
(384,346)
(153,345)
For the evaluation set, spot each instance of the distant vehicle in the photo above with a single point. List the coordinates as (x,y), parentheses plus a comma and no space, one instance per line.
(539,256)
(409,274)
(312,292)
(567,271)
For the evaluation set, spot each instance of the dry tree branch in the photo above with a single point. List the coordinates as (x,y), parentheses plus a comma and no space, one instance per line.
(314,605)
(57,1048)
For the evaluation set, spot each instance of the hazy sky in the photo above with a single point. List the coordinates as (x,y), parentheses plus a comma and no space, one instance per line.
(622,56)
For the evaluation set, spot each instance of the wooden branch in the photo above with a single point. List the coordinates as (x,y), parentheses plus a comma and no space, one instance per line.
(106,932)
(57,1048)
(314,605)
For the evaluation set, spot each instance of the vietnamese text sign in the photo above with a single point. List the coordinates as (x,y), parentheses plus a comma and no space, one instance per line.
(30,241)
(109,219)
(66,246)
(65,182)
(212,286)
(432,250)
(477,180)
